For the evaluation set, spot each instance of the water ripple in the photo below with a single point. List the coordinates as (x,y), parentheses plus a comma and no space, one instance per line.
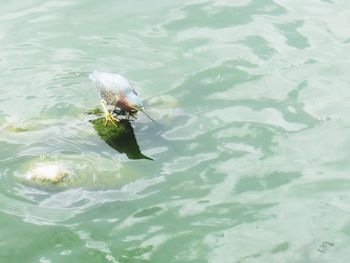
(250,154)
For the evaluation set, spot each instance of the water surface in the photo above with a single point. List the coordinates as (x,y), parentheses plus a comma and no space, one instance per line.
(251,158)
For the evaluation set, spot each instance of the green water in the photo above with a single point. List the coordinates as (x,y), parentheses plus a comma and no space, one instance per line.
(251,154)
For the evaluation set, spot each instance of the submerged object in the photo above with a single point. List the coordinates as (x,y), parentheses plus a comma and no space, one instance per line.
(48,172)
(120,138)
(116,91)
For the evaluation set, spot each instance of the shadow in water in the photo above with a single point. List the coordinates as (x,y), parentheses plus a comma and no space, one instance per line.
(121,138)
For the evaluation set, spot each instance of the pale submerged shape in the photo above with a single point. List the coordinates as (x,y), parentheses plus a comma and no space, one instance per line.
(50,172)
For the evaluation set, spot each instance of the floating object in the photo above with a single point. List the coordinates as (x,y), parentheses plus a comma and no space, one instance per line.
(18,128)
(116,91)
(48,172)
(163,102)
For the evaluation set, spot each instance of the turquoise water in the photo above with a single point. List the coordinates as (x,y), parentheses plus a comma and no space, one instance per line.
(251,154)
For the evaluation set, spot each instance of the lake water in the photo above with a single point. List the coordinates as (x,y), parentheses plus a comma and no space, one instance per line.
(251,154)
